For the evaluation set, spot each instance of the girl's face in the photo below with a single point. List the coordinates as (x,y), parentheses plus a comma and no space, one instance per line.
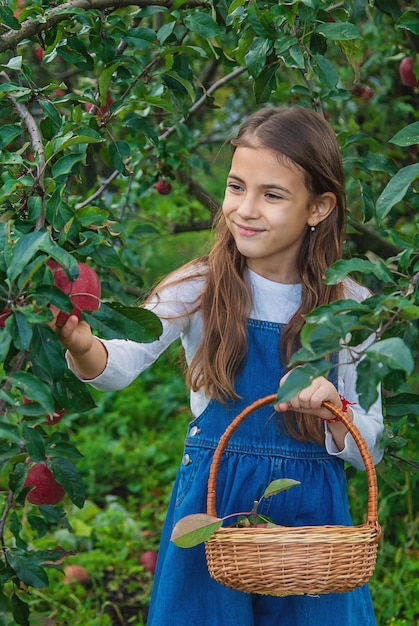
(268,210)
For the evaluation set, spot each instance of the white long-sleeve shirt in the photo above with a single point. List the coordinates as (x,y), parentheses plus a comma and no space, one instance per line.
(273,302)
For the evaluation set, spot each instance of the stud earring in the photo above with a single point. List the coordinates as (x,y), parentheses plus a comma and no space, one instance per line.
(312,228)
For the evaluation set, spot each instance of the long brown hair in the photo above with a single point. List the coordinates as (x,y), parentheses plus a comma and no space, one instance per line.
(305,138)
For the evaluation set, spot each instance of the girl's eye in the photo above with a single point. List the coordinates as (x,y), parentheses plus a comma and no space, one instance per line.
(273,196)
(234,187)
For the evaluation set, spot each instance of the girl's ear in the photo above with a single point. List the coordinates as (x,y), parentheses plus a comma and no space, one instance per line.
(321,208)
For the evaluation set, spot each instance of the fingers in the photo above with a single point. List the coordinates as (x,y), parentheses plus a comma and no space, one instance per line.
(310,399)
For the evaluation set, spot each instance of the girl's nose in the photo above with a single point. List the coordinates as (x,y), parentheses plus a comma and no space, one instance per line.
(248,207)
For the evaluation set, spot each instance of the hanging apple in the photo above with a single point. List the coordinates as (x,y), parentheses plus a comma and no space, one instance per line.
(163,187)
(407,73)
(54,418)
(46,489)
(84,291)
(4,315)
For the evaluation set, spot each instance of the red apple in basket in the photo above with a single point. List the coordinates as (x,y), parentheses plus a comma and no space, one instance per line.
(84,291)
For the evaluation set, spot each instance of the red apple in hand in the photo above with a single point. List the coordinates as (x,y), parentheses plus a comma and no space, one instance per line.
(407,74)
(84,291)
(46,489)
(163,187)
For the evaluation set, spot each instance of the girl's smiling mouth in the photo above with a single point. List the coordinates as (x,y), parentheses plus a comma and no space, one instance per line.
(248,231)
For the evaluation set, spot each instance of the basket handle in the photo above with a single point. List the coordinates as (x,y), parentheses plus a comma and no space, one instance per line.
(372,515)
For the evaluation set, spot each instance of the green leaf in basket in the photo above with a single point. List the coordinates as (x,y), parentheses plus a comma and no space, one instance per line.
(194,529)
(281,484)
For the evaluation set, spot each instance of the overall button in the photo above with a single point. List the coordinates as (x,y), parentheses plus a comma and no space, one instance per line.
(194,431)
(186,460)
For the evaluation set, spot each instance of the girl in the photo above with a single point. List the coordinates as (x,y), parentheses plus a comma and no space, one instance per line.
(239,312)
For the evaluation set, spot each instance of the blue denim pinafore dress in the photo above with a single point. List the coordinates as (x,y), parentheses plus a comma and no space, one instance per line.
(258,452)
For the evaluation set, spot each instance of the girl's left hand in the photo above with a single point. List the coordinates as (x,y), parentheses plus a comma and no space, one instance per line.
(309,400)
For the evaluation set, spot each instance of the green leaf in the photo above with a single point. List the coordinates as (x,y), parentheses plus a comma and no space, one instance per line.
(72,394)
(326,71)
(28,570)
(10,431)
(194,529)
(342,268)
(63,449)
(65,165)
(202,24)
(8,133)
(115,320)
(46,354)
(265,84)
(118,151)
(402,404)
(141,38)
(5,341)
(409,21)
(14,64)
(339,31)
(20,610)
(369,376)
(408,136)
(38,525)
(34,443)
(396,189)
(394,353)
(66,473)
(105,80)
(8,19)
(301,377)
(15,526)
(256,56)
(34,389)
(24,250)
(54,514)
(281,484)
(83,135)
(24,330)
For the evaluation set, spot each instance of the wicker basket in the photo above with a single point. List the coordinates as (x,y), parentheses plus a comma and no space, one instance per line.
(284,560)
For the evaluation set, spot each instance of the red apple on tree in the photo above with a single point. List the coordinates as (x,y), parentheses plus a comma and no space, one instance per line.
(56,417)
(84,291)
(51,419)
(4,315)
(100,111)
(407,73)
(39,54)
(46,489)
(163,187)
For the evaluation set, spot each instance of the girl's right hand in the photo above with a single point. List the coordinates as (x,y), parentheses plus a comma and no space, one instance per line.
(87,354)
(75,335)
